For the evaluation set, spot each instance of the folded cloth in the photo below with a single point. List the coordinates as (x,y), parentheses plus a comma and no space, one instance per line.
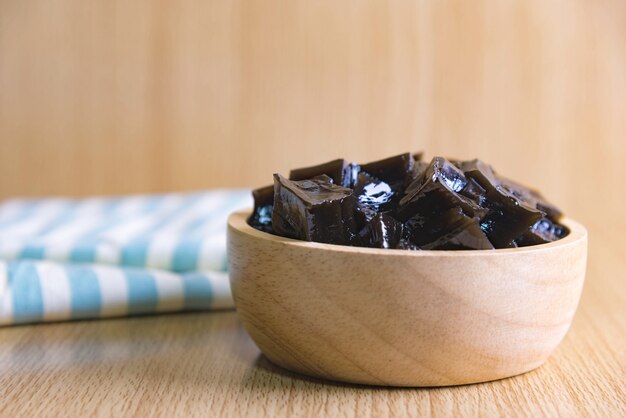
(99,257)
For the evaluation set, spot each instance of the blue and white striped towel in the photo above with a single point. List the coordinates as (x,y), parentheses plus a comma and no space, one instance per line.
(66,259)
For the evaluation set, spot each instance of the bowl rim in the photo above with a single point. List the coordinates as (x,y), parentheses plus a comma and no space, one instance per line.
(238,220)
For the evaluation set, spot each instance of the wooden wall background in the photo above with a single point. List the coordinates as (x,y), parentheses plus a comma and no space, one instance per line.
(102,97)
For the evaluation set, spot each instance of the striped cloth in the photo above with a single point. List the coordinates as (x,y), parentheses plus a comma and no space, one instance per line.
(64,259)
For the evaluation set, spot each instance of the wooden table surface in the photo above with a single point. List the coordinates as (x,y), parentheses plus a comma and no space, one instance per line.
(109,97)
(205,364)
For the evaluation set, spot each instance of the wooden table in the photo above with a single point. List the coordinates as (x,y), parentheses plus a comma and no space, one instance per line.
(205,364)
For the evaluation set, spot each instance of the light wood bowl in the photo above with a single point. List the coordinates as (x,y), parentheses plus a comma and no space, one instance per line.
(404,318)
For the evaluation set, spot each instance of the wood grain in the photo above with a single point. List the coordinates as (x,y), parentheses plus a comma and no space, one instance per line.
(205,364)
(400,318)
(108,97)
(111,97)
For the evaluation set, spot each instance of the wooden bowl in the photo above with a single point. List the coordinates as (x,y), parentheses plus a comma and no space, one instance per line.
(404,318)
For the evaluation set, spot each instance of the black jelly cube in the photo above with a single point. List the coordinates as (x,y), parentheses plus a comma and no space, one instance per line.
(261,217)
(508,216)
(436,191)
(372,194)
(313,210)
(458,232)
(542,232)
(393,170)
(340,171)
